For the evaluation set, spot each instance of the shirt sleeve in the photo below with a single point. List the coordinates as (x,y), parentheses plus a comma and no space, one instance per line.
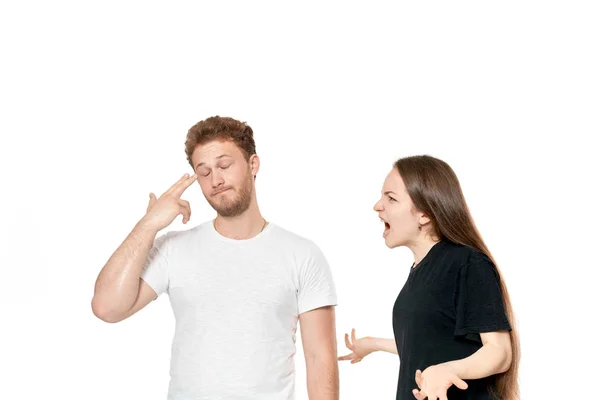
(155,272)
(316,286)
(478,299)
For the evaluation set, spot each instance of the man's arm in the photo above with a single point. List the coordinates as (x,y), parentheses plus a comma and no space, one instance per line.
(119,291)
(317,328)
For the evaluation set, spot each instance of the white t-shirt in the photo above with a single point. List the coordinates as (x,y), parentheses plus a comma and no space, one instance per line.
(236,306)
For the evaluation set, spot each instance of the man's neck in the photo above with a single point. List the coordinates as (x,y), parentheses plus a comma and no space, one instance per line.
(243,226)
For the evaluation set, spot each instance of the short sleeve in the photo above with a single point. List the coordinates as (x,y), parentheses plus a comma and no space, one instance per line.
(155,272)
(316,286)
(478,299)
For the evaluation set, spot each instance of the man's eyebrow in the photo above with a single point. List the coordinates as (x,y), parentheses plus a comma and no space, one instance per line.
(218,158)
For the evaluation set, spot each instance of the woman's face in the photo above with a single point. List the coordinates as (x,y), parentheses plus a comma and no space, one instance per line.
(396,210)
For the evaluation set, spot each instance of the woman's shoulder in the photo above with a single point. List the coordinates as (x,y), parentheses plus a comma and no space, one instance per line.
(464,255)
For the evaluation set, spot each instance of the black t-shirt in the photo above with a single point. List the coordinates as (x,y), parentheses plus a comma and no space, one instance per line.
(451,296)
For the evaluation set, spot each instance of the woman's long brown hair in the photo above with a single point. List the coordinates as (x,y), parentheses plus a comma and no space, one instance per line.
(435,190)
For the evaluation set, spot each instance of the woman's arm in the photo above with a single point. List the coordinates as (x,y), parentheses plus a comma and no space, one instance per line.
(493,358)
(366,345)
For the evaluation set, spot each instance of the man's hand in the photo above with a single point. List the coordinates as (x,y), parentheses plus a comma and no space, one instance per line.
(162,211)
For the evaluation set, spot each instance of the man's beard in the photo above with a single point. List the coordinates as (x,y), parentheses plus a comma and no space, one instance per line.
(237,206)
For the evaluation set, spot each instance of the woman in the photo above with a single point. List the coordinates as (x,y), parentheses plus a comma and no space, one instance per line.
(453,322)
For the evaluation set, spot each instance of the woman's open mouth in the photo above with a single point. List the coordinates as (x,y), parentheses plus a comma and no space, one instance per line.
(386,230)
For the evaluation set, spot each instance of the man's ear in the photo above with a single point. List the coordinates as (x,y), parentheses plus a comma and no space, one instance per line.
(254,164)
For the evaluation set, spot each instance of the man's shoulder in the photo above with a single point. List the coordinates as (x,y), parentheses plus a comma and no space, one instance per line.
(180,236)
(293,240)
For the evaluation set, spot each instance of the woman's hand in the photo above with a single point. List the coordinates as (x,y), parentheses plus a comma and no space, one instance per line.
(435,381)
(360,348)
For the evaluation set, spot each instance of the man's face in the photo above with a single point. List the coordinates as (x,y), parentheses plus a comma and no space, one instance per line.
(226,178)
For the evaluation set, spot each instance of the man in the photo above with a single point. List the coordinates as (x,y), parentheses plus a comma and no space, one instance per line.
(238,285)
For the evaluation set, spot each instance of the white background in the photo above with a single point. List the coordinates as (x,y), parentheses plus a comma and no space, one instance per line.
(96,100)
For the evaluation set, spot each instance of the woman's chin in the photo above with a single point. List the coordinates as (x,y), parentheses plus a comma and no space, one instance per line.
(393,242)
(389,242)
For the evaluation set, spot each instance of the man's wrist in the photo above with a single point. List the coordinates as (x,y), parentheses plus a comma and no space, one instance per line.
(144,225)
